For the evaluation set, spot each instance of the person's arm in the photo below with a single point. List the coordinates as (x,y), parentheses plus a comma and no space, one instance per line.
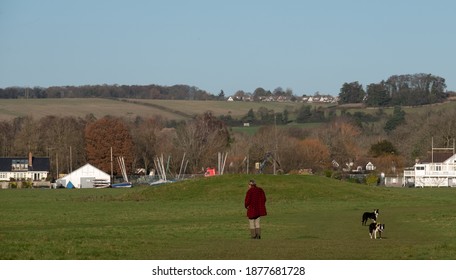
(247,200)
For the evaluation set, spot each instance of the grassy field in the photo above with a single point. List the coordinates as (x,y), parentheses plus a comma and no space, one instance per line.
(309,217)
(219,108)
(76,107)
(169,109)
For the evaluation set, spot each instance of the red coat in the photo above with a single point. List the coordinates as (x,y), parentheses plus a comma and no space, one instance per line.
(255,202)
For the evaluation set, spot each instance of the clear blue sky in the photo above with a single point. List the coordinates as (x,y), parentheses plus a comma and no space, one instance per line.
(307,46)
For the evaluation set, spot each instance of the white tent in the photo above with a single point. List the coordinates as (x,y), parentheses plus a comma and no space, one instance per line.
(86,176)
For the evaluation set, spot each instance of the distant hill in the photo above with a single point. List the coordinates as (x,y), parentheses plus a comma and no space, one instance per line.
(169,109)
(130,108)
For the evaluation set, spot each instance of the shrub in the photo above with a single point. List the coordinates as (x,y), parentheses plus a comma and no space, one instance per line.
(328,173)
(372,180)
(27,184)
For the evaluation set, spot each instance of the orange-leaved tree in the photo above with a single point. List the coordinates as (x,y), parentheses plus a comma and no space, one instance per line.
(315,154)
(104,134)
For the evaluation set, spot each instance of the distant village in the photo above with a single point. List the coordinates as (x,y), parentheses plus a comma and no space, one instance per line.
(305,99)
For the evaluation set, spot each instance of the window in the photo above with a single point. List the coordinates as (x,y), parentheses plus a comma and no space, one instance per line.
(19,165)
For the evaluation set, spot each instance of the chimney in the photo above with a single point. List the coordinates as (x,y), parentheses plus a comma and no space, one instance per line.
(30,157)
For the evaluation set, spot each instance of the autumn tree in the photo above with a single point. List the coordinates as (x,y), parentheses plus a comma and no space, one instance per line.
(342,138)
(309,153)
(104,134)
(387,158)
(315,154)
(390,163)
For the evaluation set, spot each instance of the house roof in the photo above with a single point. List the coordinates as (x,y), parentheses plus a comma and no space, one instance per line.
(437,156)
(38,163)
(86,167)
(90,166)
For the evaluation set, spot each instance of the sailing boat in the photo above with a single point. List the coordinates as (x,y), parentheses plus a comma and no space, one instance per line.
(123,170)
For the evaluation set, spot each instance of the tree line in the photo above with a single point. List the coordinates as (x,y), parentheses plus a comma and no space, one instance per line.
(397,90)
(176,92)
(71,142)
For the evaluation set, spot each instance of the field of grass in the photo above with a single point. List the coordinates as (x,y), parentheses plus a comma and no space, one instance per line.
(169,109)
(77,107)
(235,109)
(309,217)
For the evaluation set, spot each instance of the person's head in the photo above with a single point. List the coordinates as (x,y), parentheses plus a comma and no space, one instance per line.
(252,183)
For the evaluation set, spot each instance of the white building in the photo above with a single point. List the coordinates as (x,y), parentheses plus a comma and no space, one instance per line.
(435,173)
(23,168)
(86,176)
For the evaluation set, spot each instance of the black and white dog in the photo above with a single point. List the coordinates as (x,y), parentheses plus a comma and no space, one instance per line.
(369,215)
(375,228)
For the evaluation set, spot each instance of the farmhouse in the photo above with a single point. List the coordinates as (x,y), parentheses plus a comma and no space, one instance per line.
(24,168)
(438,171)
(86,176)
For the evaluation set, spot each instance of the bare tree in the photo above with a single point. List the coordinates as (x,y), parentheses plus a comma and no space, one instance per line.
(60,136)
(201,139)
(144,135)
(413,139)
(6,138)
(26,136)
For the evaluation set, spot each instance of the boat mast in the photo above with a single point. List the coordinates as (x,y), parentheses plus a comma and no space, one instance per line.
(112,181)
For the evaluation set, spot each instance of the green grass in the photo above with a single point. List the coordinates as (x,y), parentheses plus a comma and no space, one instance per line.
(309,217)
(235,109)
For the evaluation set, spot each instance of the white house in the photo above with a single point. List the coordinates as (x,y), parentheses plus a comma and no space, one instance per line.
(24,168)
(370,166)
(86,176)
(435,173)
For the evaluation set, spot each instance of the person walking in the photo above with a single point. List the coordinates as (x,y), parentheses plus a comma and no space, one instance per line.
(255,203)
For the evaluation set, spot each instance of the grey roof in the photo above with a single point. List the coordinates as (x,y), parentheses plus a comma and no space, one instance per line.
(38,163)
